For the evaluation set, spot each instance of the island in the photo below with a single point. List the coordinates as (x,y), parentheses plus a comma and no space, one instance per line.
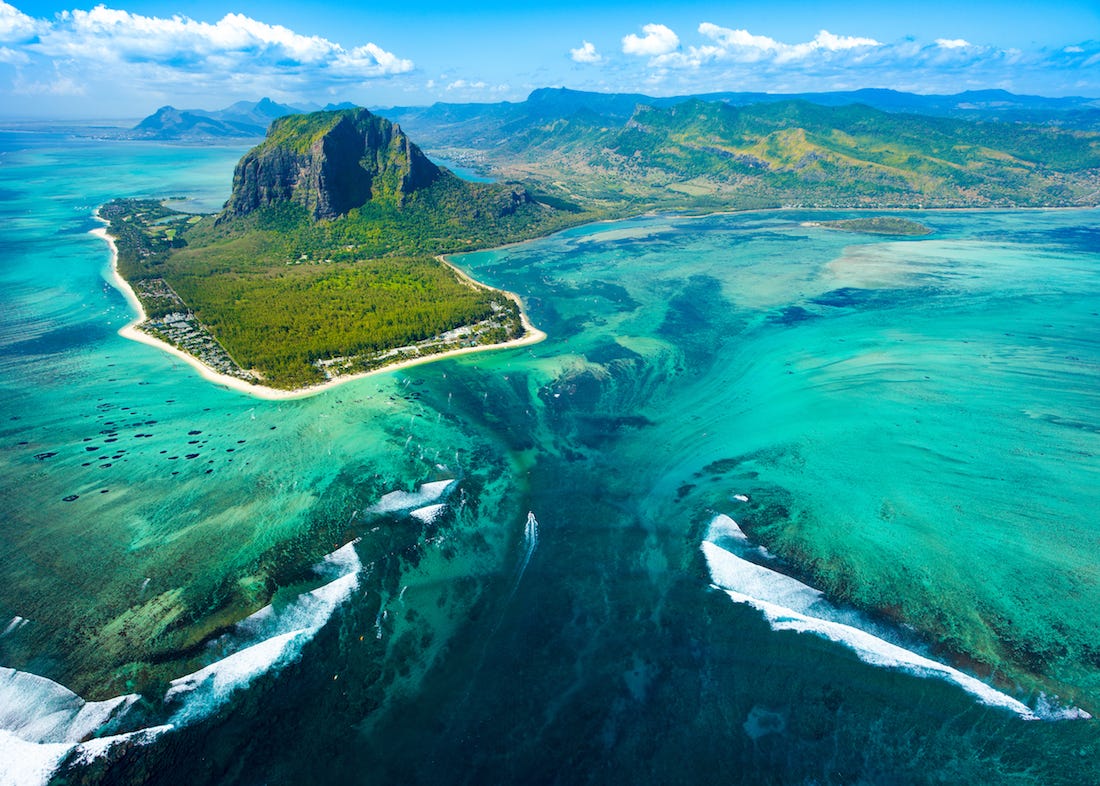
(876,225)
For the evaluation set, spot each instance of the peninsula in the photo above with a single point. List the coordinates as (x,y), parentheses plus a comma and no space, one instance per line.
(326,262)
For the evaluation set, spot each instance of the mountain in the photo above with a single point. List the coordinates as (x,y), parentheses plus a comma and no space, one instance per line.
(477,125)
(330,163)
(671,153)
(240,120)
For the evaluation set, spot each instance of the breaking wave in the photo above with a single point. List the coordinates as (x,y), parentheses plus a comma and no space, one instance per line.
(43,723)
(789,604)
(404,500)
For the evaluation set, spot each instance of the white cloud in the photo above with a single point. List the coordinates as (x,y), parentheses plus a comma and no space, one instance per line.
(839,43)
(236,42)
(15,26)
(586,53)
(658,40)
(723,58)
(742,46)
(153,55)
(477,89)
(13,57)
(58,85)
(462,84)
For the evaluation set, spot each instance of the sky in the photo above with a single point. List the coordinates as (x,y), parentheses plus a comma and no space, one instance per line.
(125,58)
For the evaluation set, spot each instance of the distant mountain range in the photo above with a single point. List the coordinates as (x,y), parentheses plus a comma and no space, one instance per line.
(472,125)
(479,125)
(242,120)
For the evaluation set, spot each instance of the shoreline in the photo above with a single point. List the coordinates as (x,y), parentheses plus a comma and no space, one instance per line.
(788,209)
(532,335)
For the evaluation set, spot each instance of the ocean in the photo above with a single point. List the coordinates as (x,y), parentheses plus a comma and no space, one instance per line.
(771,504)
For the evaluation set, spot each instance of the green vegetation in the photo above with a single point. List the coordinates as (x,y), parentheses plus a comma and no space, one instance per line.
(284,295)
(300,132)
(879,225)
(710,155)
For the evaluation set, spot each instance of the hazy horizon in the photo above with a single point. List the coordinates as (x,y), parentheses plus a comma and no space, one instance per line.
(126,59)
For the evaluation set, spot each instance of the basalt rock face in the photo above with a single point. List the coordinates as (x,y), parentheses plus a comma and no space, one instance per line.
(330,163)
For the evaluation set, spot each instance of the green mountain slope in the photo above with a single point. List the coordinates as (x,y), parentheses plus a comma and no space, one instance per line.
(796,152)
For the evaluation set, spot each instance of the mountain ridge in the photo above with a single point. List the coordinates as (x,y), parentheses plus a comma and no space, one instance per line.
(459,124)
(240,120)
(250,119)
(702,154)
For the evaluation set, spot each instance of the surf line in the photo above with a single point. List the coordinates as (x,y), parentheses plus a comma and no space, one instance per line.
(788,604)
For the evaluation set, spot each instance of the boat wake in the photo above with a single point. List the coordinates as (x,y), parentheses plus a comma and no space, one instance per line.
(44,724)
(788,604)
(531,541)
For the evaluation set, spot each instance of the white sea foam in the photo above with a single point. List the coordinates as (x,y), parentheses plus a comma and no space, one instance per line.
(404,500)
(87,752)
(530,543)
(16,623)
(879,652)
(429,513)
(269,638)
(25,763)
(789,604)
(43,722)
(732,572)
(38,709)
(1048,708)
(722,526)
(345,560)
(209,687)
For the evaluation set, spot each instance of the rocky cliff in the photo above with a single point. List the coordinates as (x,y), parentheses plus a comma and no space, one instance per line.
(330,162)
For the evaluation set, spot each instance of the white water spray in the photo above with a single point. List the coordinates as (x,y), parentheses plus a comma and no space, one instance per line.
(530,542)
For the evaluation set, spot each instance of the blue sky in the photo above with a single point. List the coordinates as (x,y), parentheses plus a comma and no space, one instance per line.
(124,59)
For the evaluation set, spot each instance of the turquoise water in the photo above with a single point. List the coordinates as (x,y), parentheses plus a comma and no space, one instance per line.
(910,426)
(466,173)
